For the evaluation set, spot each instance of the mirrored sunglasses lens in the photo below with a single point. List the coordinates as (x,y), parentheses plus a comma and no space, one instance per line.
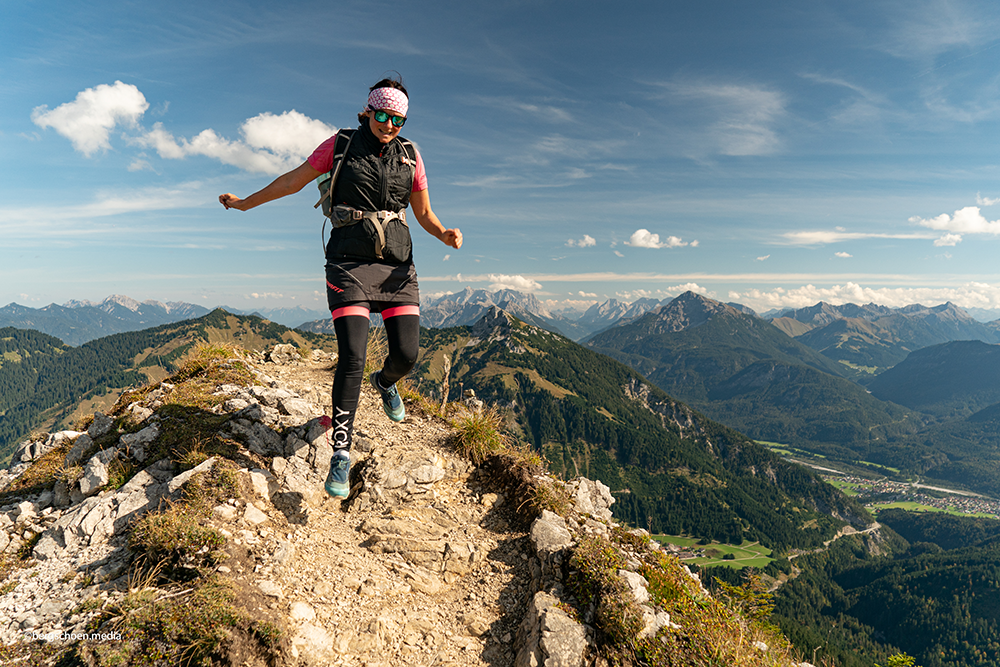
(381,116)
(398,120)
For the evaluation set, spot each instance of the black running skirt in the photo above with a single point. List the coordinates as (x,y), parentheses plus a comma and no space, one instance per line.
(350,281)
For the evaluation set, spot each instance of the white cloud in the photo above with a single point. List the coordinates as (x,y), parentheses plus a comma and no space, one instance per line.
(270,143)
(986,201)
(265,295)
(518,283)
(587,294)
(762,258)
(88,120)
(970,295)
(619,253)
(966,220)
(843,255)
(586,242)
(446,258)
(643,238)
(948,240)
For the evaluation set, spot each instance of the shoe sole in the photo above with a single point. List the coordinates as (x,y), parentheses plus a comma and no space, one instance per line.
(336,493)
(385,408)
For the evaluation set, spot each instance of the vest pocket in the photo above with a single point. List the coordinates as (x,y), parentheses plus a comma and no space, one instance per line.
(398,246)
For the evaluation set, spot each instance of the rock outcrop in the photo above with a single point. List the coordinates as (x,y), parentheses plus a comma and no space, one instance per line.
(426,562)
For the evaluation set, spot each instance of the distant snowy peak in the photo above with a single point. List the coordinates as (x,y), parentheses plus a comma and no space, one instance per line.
(109,304)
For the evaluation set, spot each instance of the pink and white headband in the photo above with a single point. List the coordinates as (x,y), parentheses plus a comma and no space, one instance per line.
(392,99)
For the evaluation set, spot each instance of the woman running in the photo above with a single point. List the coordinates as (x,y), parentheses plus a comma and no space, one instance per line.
(369,258)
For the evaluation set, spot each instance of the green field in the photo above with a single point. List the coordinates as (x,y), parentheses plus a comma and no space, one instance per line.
(917,507)
(846,487)
(787,450)
(748,554)
(879,465)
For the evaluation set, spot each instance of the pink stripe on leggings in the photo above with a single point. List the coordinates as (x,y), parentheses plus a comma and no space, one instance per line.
(400,310)
(347,311)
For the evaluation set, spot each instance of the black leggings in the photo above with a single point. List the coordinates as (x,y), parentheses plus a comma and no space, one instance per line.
(402,330)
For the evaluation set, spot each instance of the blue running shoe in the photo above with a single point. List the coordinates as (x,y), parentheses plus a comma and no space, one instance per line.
(337,484)
(391,402)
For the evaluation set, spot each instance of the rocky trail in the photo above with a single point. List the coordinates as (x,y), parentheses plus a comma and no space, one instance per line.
(419,567)
(424,564)
(429,561)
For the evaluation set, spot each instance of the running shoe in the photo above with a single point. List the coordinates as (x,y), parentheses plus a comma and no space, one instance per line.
(391,402)
(337,484)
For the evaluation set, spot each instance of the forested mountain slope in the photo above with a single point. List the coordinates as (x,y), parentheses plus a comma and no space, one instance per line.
(671,469)
(949,380)
(745,372)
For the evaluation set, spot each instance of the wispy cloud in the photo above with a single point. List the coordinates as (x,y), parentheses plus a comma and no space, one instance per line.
(662,292)
(79,219)
(762,258)
(843,255)
(730,119)
(822,237)
(924,29)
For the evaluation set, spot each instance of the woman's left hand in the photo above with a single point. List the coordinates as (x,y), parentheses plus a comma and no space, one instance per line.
(452,237)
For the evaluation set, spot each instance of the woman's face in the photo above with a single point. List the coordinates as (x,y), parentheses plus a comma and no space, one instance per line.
(384,132)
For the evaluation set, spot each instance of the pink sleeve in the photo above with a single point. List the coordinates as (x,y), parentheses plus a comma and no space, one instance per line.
(419,174)
(322,158)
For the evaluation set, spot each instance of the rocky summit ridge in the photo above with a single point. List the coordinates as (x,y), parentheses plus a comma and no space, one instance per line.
(189,526)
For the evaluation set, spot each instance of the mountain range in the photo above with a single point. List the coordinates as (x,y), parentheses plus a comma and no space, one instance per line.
(869,339)
(673,468)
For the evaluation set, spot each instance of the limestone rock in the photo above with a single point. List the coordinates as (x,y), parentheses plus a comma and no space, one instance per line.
(33,450)
(592,497)
(270,589)
(301,611)
(549,637)
(79,448)
(137,444)
(101,425)
(95,476)
(637,584)
(314,644)
(549,533)
(284,353)
(253,515)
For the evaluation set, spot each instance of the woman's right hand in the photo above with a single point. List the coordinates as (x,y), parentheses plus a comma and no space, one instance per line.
(231,201)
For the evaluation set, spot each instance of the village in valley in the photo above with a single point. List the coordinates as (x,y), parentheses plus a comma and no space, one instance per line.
(882,493)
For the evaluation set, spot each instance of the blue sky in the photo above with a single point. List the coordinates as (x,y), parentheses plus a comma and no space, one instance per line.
(775,154)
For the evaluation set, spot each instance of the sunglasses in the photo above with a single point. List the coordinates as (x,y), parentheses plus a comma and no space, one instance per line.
(382,116)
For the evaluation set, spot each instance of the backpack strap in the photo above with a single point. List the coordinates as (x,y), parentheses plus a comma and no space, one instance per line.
(410,155)
(344,138)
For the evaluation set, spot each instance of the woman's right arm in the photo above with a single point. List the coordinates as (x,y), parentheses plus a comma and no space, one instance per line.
(282,186)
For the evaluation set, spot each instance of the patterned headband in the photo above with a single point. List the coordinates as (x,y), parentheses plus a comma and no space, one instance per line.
(389,98)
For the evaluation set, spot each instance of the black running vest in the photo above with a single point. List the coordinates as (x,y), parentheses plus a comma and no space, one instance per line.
(374,177)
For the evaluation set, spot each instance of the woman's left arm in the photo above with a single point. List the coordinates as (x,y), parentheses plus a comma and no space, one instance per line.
(420,202)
